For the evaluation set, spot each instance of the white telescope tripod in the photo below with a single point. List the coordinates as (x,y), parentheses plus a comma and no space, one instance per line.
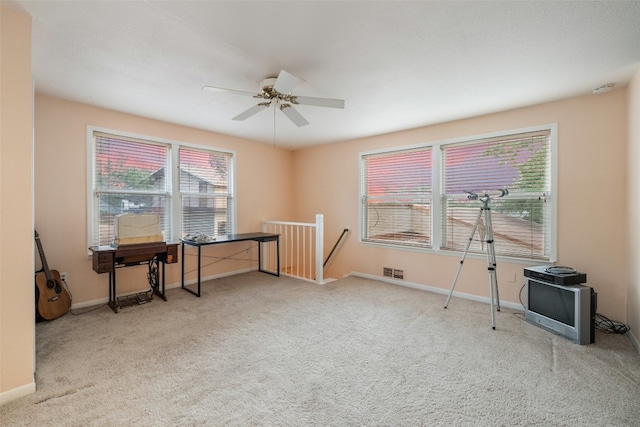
(485,232)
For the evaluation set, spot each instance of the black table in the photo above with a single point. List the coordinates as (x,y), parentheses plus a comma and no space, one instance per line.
(231,238)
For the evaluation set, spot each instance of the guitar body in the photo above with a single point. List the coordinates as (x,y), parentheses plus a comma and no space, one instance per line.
(52,299)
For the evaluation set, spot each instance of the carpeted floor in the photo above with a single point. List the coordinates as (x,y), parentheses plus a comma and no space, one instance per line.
(257,350)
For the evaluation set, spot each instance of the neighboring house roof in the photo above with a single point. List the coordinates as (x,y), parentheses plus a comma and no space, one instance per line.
(199,173)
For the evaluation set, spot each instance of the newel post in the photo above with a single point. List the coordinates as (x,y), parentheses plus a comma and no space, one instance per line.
(319,248)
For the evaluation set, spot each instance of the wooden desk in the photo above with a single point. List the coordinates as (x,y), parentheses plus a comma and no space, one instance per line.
(107,259)
(230,238)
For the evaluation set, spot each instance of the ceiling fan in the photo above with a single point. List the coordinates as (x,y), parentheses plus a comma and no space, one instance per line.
(276,91)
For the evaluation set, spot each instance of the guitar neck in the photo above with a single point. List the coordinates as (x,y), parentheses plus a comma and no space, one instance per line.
(43,259)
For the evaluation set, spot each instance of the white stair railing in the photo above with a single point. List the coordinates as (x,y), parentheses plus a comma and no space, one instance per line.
(301,248)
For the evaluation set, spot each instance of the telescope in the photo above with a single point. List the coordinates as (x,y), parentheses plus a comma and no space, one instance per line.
(485,231)
(472,195)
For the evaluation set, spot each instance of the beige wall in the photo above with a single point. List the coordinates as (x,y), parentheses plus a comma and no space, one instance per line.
(16,207)
(592,150)
(263,191)
(633,197)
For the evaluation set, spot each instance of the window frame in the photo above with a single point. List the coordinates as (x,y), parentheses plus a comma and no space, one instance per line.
(438,193)
(174,195)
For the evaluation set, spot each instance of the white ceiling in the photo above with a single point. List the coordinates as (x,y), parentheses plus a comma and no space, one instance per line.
(397,64)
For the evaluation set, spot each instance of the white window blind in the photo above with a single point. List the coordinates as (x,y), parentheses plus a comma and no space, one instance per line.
(522,220)
(206,192)
(190,187)
(396,197)
(416,196)
(130,176)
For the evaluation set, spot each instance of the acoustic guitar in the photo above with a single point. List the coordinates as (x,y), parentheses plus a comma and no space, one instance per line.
(52,299)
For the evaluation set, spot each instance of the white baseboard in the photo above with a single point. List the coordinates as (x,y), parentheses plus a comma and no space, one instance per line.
(634,340)
(104,300)
(487,300)
(18,392)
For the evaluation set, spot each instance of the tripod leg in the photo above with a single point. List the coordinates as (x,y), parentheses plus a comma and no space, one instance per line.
(455,279)
(495,280)
(491,267)
(491,252)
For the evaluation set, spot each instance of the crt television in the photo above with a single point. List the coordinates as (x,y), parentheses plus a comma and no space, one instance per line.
(568,311)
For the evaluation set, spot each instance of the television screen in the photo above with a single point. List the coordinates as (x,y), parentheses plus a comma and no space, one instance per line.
(552,302)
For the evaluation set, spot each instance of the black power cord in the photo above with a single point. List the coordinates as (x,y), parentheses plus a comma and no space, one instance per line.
(77,313)
(608,326)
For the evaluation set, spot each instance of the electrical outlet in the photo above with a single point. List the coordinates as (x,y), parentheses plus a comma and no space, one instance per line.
(512,278)
(63,277)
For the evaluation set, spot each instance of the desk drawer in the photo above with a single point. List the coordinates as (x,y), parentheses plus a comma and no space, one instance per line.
(103,262)
(102,257)
(103,268)
(172,253)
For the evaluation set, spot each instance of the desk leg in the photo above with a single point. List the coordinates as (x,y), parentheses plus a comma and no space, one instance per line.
(163,296)
(199,272)
(110,288)
(260,269)
(182,249)
(157,286)
(183,262)
(113,299)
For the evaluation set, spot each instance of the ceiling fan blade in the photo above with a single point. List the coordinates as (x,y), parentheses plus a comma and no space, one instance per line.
(221,89)
(285,82)
(251,111)
(318,102)
(293,115)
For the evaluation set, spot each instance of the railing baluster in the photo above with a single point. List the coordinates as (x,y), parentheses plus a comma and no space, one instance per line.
(319,248)
(304,251)
(300,231)
(301,248)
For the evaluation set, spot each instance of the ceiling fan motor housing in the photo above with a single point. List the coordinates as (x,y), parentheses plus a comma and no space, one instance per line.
(267,84)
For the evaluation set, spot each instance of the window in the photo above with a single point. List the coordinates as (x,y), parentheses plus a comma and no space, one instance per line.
(397,197)
(205,191)
(133,174)
(521,220)
(418,196)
